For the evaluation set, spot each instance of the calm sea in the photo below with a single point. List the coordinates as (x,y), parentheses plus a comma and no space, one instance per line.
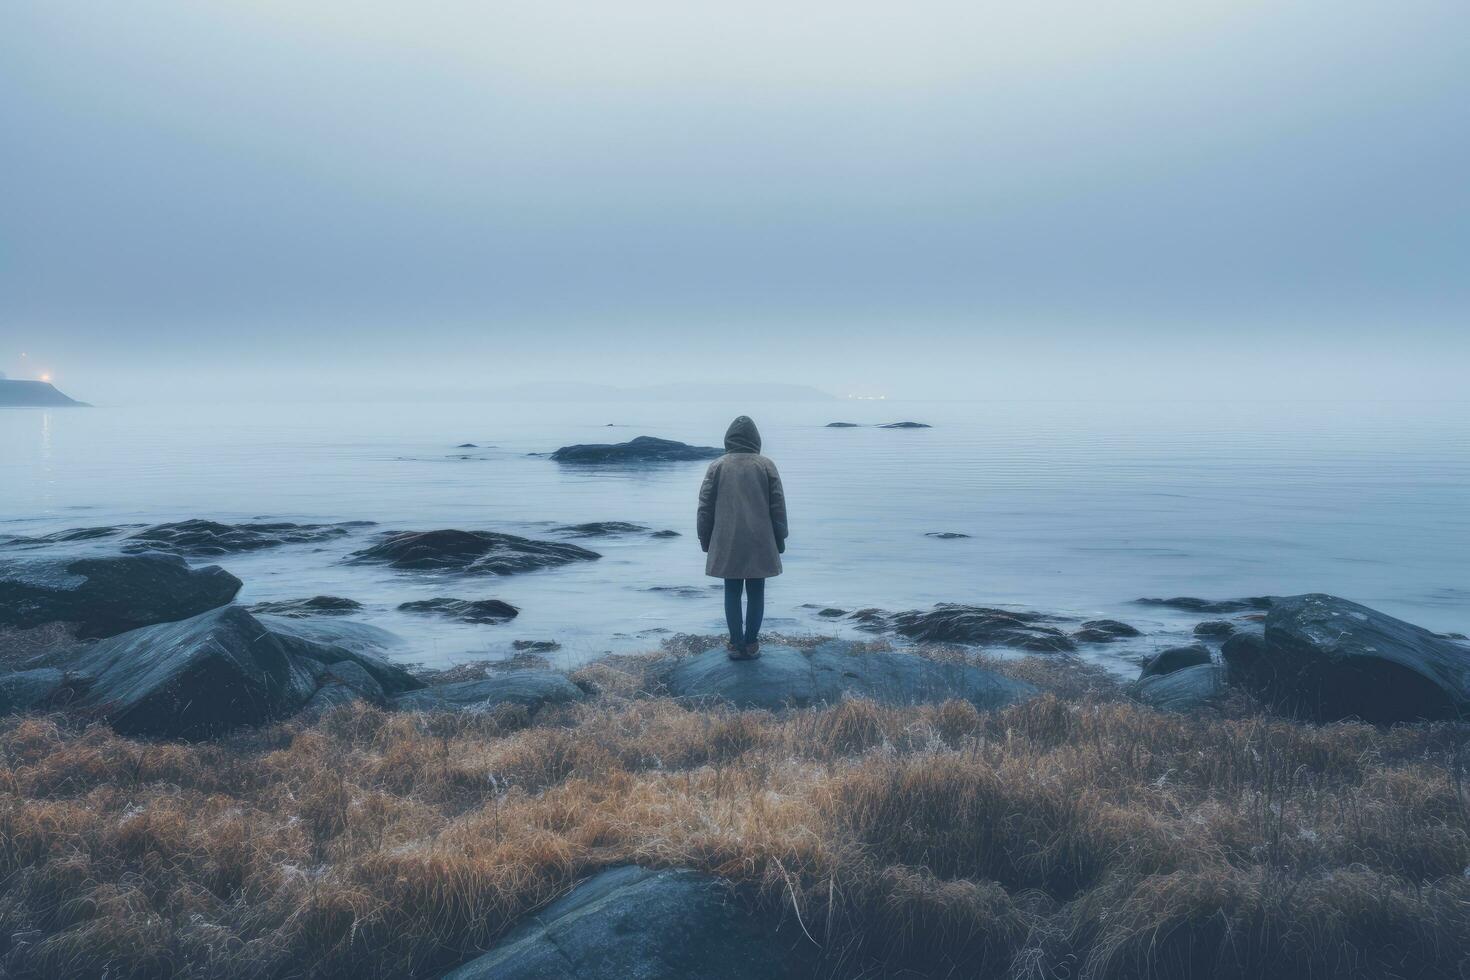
(1070,507)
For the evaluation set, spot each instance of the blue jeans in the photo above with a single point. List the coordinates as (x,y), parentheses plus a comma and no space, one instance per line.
(755,592)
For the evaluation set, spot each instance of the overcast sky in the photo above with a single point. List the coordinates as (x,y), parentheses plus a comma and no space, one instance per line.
(962,198)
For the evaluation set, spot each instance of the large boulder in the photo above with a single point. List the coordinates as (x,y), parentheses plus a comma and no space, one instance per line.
(1183,690)
(469,552)
(105,596)
(1324,658)
(531,689)
(209,539)
(206,675)
(974,625)
(785,677)
(633,923)
(644,449)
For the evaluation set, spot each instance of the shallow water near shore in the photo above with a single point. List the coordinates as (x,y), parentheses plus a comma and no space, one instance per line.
(1071,508)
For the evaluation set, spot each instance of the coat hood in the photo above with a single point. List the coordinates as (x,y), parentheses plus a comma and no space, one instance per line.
(742,436)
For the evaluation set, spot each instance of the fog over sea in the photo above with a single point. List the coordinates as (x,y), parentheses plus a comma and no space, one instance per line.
(1073,508)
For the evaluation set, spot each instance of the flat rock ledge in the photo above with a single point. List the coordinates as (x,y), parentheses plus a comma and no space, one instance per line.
(634,923)
(784,677)
(643,449)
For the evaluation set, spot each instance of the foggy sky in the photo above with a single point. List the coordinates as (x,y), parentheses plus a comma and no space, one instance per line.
(952,198)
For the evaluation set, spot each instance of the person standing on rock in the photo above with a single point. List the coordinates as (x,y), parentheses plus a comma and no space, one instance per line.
(742,528)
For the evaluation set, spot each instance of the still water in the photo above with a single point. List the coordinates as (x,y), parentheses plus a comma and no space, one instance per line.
(1070,507)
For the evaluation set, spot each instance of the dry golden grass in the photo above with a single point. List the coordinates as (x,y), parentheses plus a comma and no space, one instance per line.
(1077,835)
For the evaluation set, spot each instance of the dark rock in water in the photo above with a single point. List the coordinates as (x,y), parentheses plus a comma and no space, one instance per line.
(536,646)
(842,425)
(786,677)
(632,923)
(1175,658)
(327,642)
(469,552)
(27,689)
(1191,604)
(1214,628)
(467,445)
(1452,636)
(317,605)
(906,425)
(976,625)
(65,537)
(34,394)
(666,534)
(206,675)
(644,449)
(1104,631)
(197,538)
(108,595)
(945,535)
(465,610)
(682,591)
(531,689)
(832,612)
(1325,658)
(1183,690)
(599,529)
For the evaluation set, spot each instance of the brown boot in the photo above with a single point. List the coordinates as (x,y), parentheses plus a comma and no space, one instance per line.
(734,650)
(752,651)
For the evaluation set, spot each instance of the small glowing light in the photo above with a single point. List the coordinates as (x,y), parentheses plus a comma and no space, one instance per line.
(45,376)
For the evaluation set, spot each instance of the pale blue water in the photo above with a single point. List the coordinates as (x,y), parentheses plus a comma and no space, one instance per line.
(1074,508)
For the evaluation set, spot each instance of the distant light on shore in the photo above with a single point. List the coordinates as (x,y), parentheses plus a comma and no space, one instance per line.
(867,398)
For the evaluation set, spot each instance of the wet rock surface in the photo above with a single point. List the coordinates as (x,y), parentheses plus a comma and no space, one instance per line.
(25,690)
(1104,631)
(317,605)
(1324,658)
(971,625)
(1192,604)
(1183,690)
(634,923)
(946,535)
(643,449)
(786,677)
(68,536)
(465,610)
(1214,628)
(535,646)
(469,552)
(532,689)
(1175,658)
(105,596)
(600,529)
(204,539)
(905,425)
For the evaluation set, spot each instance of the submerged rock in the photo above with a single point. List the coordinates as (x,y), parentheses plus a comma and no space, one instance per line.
(68,536)
(469,552)
(1325,658)
(599,529)
(1175,658)
(317,605)
(108,595)
(199,538)
(465,610)
(666,533)
(842,425)
(905,425)
(1104,631)
(786,677)
(633,923)
(1188,689)
(535,646)
(945,535)
(1191,604)
(975,625)
(644,449)
(532,689)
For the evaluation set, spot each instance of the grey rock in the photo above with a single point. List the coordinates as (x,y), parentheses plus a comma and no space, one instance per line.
(469,552)
(317,605)
(600,529)
(536,646)
(1183,690)
(68,536)
(105,596)
(199,538)
(633,923)
(643,449)
(786,677)
(465,610)
(23,690)
(1214,628)
(975,625)
(905,425)
(1175,658)
(1104,631)
(666,533)
(946,535)
(1191,604)
(532,689)
(1324,658)
(328,642)
(842,425)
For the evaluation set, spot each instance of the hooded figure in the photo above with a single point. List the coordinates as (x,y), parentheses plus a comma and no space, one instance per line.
(742,509)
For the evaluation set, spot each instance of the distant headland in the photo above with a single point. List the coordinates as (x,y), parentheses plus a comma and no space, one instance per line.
(34,394)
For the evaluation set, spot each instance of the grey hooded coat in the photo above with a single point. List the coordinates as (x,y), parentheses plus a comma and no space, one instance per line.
(742,509)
